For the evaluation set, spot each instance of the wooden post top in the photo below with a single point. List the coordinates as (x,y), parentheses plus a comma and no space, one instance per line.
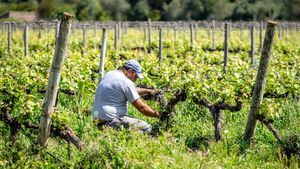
(272,23)
(66,16)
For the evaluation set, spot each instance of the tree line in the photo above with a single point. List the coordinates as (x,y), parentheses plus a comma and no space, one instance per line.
(164,10)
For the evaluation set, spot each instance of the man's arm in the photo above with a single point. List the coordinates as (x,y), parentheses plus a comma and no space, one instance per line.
(142,91)
(145,109)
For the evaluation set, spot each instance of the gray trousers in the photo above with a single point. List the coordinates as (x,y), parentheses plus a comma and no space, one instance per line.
(128,122)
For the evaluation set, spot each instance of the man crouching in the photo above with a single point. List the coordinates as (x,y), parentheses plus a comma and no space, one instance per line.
(114,91)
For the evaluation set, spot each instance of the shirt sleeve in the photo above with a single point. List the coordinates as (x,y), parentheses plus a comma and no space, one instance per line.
(131,93)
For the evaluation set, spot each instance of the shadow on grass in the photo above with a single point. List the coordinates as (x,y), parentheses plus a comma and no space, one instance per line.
(198,142)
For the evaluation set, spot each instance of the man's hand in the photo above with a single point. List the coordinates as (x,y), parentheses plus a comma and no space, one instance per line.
(157,114)
(164,116)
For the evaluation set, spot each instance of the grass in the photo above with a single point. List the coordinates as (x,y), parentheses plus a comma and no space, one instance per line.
(131,149)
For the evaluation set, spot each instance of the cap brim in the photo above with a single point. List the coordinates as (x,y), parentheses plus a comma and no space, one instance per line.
(140,75)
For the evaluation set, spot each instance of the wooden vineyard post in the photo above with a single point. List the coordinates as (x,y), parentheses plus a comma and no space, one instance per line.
(225,47)
(191,36)
(14,27)
(196,31)
(183,34)
(208,29)
(53,81)
(95,30)
(175,34)
(125,29)
(119,34)
(25,40)
(279,32)
(229,29)
(241,31)
(122,33)
(260,82)
(57,29)
(252,51)
(83,39)
(282,30)
(260,36)
(8,37)
(160,44)
(95,35)
(149,36)
(119,30)
(116,38)
(56,32)
(40,33)
(103,51)
(213,34)
(145,35)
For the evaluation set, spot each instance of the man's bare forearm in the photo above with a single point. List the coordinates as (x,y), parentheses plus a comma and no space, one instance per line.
(142,91)
(145,109)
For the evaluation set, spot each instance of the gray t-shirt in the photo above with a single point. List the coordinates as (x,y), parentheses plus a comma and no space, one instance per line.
(112,94)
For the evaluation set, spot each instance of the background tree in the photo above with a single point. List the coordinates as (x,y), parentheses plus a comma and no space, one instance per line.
(160,9)
(116,8)
(46,8)
(90,10)
(140,10)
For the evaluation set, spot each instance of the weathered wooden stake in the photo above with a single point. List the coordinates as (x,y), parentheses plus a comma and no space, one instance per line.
(9,37)
(103,52)
(191,36)
(196,31)
(225,47)
(40,33)
(160,44)
(57,29)
(183,33)
(175,34)
(149,36)
(2,29)
(252,50)
(53,81)
(116,37)
(25,36)
(260,82)
(260,36)
(208,28)
(145,35)
(213,34)
(95,35)
(57,32)
(241,31)
(83,39)
(119,30)
(126,28)
(229,29)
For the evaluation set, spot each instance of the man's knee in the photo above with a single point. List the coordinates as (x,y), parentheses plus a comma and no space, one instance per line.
(137,124)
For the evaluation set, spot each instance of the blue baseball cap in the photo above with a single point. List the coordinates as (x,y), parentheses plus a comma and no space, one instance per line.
(135,66)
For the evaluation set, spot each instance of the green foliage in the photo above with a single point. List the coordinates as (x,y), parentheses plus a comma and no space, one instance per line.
(160,9)
(46,8)
(186,143)
(116,11)
(90,10)
(291,144)
(31,5)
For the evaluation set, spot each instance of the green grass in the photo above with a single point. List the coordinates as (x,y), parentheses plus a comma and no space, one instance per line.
(131,149)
